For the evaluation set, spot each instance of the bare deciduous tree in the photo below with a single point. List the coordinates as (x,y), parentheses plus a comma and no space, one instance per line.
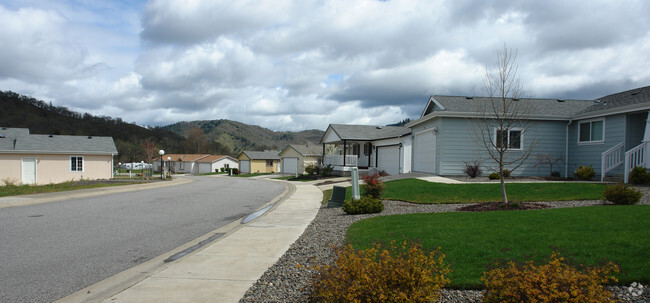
(196,140)
(548,159)
(502,118)
(149,149)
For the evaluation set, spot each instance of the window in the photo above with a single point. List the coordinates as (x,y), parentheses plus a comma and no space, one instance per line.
(181,165)
(269,163)
(77,164)
(591,131)
(227,165)
(509,139)
(367,148)
(355,149)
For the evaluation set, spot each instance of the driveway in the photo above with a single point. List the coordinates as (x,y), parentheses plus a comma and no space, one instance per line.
(50,250)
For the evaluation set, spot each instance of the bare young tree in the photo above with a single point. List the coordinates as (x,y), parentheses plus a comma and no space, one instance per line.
(501,123)
(149,149)
(548,159)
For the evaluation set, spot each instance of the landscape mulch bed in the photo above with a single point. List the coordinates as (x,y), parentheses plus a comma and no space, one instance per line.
(491,206)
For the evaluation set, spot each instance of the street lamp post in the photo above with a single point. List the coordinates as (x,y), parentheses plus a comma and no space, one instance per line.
(169,164)
(161,153)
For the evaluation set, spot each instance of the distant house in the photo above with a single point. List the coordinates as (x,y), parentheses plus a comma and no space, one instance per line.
(267,161)
(214,163)
(386,148)
(42,159)
(180,163)
(296,157)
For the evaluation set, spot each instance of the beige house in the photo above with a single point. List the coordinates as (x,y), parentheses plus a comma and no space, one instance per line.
(44,159)
(296,157)
(266,161)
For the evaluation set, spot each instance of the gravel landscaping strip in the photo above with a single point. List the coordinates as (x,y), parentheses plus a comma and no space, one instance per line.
(288,280)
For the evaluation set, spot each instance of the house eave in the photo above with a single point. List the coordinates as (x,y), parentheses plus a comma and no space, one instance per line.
(440,114)
(615,111)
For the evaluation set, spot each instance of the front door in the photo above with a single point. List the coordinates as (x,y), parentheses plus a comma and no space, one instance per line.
(28,168)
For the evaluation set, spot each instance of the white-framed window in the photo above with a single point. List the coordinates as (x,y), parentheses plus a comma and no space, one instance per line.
(511,139)
(592,131)
(181,165)
(77,163)
(269,163)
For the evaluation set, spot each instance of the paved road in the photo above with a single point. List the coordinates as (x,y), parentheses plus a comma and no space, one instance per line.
(50,250)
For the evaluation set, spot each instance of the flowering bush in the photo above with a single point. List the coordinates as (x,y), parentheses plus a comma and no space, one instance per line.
(552,282)
(401,273)
(373,186)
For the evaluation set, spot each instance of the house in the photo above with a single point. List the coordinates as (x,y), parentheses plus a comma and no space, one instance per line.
(294,158)
(267,161)
(611,134)
(42,159)
(385,148)
(211,164)
(580,132)
(180,163)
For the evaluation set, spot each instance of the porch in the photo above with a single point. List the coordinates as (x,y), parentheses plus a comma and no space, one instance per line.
(621,154)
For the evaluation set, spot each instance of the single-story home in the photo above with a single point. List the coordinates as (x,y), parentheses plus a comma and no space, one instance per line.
(611,134)
(267,161)
(295,157)
(42,159)
(386,148)
(180,163)
(213,163)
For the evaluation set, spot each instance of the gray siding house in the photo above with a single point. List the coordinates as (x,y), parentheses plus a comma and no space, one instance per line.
(606,133)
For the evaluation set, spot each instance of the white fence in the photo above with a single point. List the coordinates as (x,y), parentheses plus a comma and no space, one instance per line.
(337,160)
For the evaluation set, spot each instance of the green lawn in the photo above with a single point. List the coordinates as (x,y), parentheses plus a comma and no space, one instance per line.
(471,240)
(250,175)
(15,190)
(419,191)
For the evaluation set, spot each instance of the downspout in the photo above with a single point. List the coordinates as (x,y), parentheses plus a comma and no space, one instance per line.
(566,151)
(345,147)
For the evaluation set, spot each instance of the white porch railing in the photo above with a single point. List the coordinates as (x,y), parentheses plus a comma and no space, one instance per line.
(634,157)
(611,158)
(337,160)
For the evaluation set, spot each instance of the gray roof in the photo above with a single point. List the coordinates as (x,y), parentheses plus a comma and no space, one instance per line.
(636,96)
(21,142)
(541,108)
(309,150)
(368,132)
(8,132)
(262,155)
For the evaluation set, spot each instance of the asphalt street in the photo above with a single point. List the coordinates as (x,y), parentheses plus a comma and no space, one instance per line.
(50,250)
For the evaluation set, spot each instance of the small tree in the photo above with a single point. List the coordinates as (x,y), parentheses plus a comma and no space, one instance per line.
(547,159)
(502,118)
(149,149)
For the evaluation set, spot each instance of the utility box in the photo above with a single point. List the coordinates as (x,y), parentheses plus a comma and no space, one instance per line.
(338,196)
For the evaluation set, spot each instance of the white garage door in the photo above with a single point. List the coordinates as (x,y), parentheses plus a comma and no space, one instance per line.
(289,165)
(245,166)
(388,159)
(424,154)
(205,168)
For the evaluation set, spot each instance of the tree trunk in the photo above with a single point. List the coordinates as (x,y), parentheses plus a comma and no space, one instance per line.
(503,189)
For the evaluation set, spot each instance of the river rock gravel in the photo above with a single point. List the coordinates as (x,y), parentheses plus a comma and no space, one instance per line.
(289,279)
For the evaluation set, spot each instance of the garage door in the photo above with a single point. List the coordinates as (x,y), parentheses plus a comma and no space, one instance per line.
(205,168)
(289,165)
(245,166)
(424,152)
(388,159)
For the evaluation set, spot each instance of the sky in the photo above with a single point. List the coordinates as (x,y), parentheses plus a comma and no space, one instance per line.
(303,64)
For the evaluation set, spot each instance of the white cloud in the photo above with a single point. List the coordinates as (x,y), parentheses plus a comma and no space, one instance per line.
(292,65)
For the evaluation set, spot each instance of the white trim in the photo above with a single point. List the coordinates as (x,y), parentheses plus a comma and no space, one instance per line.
(83,164)
(590,121)
(521,138)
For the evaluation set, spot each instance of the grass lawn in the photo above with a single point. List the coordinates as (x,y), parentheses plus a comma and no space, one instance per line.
(250,175)
(472,240)
(419,191)
(15,190)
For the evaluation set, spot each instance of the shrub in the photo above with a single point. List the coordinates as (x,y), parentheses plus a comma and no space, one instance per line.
(235,171)
(639,175)
(365,205)
(555,174)
(311,169)
(584,172)
(506,173)
(622,194)
(494,176)
(402,273)
(373,186)
(555,281)
(473,169)
(326,171)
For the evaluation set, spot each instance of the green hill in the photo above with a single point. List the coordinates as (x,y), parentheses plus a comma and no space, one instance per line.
(237,136)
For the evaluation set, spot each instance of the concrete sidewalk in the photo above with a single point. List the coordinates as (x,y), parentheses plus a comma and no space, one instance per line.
(221,271)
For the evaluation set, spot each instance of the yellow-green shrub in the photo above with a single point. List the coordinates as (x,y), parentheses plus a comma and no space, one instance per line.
(401,273)
(555,281)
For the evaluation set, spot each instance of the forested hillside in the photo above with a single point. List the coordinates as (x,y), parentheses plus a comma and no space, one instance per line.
(215,137)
